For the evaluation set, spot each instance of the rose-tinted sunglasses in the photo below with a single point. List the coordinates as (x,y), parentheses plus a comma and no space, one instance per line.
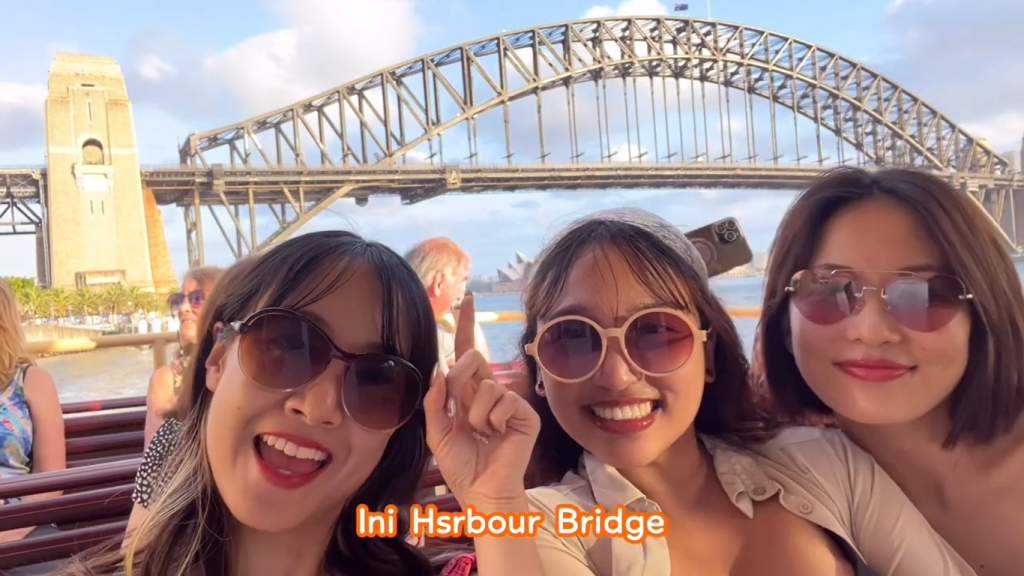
(922,303)
(195,301)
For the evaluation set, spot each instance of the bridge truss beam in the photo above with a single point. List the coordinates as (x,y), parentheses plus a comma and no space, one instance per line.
(599,92)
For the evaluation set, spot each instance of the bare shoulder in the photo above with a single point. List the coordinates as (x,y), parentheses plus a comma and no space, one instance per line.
(39,385)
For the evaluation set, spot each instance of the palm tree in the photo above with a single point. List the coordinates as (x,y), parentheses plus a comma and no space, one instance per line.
(86,302)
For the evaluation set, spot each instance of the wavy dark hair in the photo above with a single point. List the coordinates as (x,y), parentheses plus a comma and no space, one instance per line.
(729,410)
(186,524)
(989,399)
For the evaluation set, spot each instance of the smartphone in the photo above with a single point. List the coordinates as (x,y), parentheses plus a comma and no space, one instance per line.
(722,245)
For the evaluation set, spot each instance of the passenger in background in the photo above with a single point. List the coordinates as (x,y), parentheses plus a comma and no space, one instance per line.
(185,307)
(443,267)
(302,402)
(892,305)
(31,421)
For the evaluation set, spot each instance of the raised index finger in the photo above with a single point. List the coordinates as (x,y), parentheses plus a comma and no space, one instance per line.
(465,327)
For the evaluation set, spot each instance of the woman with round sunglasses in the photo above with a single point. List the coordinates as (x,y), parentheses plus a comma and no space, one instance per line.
(891,305)
(185,307)
(640,381)
(304,403)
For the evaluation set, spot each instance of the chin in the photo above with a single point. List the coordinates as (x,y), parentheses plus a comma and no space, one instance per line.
(628,456)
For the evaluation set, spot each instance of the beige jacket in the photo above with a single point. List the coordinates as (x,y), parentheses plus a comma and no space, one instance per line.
(818,474)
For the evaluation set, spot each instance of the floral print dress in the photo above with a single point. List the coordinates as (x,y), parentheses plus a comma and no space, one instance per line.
(15,429)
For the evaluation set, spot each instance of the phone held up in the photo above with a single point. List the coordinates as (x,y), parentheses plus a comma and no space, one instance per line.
(722,245)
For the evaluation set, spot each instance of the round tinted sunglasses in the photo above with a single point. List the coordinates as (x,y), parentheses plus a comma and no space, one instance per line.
(919,303)
(283,351)
(657,342)
(195,301)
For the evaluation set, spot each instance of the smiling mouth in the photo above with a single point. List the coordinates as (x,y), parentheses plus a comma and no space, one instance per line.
(627,412)
(288,458)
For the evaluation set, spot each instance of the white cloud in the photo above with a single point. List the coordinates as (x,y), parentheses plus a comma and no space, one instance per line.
(152,68)
(21,116)
(322,44)
(629,8)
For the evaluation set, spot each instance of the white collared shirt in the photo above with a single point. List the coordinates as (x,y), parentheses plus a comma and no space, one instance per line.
(818,474)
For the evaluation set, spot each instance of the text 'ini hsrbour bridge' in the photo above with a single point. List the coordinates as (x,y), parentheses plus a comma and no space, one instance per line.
(592,104)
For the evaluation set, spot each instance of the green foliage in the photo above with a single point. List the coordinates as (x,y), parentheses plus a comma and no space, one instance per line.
(60,303)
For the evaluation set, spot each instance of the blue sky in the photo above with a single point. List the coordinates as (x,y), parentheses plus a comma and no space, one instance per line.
(194,66)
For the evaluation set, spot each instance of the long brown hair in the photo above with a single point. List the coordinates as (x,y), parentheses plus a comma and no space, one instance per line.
(989,399)
(186,525)
(13,347)
(728,410)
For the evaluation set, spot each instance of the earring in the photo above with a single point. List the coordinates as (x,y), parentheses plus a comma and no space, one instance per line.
(540,388)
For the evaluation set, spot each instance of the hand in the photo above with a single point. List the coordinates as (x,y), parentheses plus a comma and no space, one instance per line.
(483,446)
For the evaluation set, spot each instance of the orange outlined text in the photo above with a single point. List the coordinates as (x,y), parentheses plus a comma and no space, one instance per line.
(634,527)
(428,521)
(570,521)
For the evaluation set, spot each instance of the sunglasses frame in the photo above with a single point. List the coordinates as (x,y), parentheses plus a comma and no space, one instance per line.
(965,297)
(185,297)
(240,327)
(699,335)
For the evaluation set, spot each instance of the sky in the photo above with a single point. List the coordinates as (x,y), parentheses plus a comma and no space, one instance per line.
(194,65)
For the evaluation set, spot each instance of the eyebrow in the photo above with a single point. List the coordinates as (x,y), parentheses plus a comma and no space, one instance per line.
(911,268)
(585,311)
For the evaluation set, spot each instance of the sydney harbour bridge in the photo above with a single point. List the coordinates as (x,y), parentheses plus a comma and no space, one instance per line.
(593,104)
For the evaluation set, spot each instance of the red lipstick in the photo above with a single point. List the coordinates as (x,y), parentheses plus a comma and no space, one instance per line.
(873,370)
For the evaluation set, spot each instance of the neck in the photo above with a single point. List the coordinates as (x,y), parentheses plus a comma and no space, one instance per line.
(297,552)
(680,478)
(912,451)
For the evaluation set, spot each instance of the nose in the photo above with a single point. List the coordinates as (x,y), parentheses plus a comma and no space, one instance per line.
(186,306)
(872,324)
(319,402)
(616,372)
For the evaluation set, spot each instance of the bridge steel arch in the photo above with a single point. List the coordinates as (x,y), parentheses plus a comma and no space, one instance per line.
(379,120)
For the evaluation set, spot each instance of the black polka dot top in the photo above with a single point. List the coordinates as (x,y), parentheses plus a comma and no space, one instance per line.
(147,479)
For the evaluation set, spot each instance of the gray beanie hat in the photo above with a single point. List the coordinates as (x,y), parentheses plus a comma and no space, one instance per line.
(664,230)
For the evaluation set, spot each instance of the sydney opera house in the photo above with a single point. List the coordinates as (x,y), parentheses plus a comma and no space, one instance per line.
(513,277)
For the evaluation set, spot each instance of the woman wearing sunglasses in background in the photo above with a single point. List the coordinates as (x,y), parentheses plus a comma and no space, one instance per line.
(303,404)
(186,306)
(640,381)
(892,304)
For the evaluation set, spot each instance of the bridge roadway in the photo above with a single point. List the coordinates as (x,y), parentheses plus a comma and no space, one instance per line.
(183,185)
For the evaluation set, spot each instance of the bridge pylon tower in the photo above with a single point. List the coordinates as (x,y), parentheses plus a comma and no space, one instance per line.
(96,228)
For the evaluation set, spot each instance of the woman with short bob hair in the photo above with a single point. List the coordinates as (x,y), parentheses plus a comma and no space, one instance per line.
(304,402)
(892,305)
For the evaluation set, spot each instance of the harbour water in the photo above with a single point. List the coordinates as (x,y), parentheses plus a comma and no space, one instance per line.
(120,372)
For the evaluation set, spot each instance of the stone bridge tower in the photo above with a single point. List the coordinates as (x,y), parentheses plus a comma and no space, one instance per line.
(96,214)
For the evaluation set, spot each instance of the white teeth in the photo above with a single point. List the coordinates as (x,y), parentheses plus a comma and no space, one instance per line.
(293,449)
(630,412)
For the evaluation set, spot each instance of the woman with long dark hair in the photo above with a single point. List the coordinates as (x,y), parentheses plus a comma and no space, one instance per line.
(892,306)
(303,403)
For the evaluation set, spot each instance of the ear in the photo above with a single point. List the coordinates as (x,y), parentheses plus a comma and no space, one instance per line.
(709,357)
(215,361)
(435,284)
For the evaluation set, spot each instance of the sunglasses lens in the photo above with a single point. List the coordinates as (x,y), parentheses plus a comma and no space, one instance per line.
(381,392)
(283,351)
(196,299)
(659,342)
(924,305)
(174,301)
(824,300)
(569,349)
